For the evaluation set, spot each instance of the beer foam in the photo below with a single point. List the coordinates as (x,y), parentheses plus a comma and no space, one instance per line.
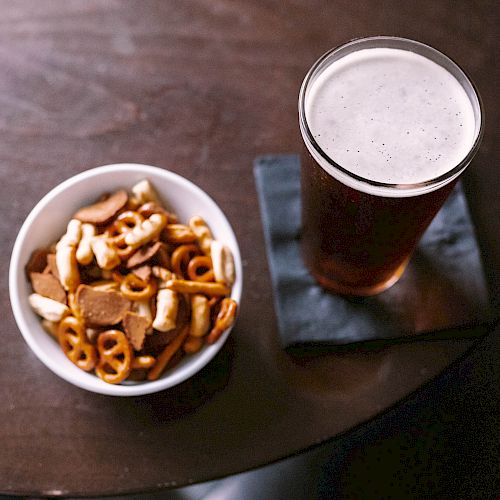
(391,116)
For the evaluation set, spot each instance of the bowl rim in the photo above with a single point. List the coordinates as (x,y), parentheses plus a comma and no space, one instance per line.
(95,384)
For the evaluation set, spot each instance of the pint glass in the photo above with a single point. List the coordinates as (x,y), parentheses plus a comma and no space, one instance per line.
(388,126)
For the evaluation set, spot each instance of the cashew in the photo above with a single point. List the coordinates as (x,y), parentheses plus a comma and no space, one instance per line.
(143,308)
(47,308)
(167,304)
(105,253)
(84,253)
(73,234)
(222,262)
(50,327)
(202,232)
(146,231)
(143,192)
(200,316)
(162,274)
(67,266)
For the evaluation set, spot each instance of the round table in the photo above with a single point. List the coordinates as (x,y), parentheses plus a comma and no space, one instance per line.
(202,88)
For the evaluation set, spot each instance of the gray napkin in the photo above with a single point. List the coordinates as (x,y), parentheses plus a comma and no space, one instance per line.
(443,286)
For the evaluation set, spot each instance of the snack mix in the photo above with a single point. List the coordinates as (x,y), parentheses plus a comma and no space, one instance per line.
(128,290)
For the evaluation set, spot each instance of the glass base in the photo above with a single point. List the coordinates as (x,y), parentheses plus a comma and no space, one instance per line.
(357,291)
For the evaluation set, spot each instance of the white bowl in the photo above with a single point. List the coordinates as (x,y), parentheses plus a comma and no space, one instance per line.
(47,222)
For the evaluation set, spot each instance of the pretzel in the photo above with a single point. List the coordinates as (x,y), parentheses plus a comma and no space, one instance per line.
(115,357)
(155,286)
(74,343)
(122,249)
(167,354)
(73,306)
(133,288)
(202,232)
(178,234)
(200,268)
(223,263)
(143,361)
(127,221)
(105,285)
(167,305)
(181,257)
(48,309)
(146,231)
(105,252)
(84,253)
(225,318)
(200,316)
(67,265)
(192,344)
(151,207)
(186,286)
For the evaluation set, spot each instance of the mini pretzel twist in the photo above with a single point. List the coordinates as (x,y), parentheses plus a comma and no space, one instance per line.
(124,223)
(122,249)
(200,268)
(73,341)
(225,318)
(127,221)
(115,357)
(180,258)
(133,288)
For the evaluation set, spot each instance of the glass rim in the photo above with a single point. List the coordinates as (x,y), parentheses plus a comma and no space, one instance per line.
(424,50)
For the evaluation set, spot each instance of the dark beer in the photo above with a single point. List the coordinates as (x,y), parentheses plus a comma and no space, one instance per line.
(388,126)
(358,243)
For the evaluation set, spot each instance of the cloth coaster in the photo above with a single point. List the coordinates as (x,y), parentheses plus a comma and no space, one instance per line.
(443,286)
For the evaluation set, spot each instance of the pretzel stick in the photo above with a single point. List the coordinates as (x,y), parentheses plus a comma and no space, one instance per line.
(186,286)
(167,353)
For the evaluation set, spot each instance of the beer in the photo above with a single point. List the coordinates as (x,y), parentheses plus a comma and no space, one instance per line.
(388,125)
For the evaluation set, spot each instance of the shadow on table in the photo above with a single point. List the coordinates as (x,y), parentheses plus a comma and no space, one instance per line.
(184,398)
(441,442)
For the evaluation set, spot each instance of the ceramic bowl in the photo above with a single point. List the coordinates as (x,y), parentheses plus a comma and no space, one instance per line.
(47,222)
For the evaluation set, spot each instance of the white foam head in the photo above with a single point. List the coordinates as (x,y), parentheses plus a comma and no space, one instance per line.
(391,116)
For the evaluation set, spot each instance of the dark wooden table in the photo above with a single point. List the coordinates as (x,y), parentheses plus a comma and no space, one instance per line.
(201,88)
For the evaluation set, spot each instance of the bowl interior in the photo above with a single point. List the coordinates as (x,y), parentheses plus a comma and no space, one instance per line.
(47,222)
